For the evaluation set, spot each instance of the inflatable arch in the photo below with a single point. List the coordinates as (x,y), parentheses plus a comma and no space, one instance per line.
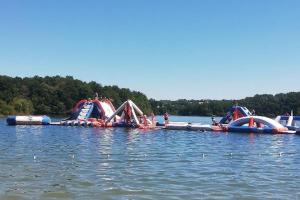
(264,125)
(131,116)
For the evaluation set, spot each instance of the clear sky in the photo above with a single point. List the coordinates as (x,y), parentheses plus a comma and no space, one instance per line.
(167,49)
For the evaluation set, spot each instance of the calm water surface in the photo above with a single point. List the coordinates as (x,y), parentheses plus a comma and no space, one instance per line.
(51,162)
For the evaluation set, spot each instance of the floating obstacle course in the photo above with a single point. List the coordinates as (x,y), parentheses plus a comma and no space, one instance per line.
(102,113)
(237,119)
(232,114)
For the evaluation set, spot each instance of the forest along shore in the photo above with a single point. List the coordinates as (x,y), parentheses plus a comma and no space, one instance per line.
(55,96)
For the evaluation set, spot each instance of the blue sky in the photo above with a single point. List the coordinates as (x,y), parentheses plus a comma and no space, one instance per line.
(167,49)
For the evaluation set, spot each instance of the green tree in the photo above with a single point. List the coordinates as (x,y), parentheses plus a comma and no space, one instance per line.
(22,106)
(6,109)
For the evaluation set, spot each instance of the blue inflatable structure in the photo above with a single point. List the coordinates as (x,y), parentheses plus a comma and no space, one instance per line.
(241,112)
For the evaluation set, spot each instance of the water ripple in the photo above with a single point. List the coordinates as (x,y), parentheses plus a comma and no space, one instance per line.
(44,162)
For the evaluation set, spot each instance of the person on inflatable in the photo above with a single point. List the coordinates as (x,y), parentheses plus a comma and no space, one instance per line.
(166,118)
(128,113)
(145,122)
(288,115)
(214,122)
(153,119)
(141,120)
(96,96)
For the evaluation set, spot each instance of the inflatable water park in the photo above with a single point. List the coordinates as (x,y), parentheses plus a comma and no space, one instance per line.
(94,113)
(102,113)
(240,119)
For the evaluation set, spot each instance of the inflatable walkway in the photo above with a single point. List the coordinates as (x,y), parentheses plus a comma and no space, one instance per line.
(188,126)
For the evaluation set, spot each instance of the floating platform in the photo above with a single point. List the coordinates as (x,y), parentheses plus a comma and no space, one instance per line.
(101,113)
(188,126)
(55,124)
(28,120)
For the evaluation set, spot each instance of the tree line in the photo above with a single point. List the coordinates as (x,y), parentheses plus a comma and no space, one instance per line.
(265,104)
(56,96)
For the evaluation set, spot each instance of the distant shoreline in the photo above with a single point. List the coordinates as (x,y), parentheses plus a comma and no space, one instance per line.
(56,96)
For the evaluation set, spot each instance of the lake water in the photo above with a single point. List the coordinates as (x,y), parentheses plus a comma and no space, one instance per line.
(52,162)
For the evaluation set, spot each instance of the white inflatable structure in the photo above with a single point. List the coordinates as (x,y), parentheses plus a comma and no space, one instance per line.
(135,113)
(28,120)
(289,121)
(257,124)
(108,109)
(270,123)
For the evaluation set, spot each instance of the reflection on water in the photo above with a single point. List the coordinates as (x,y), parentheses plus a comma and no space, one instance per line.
(44,162)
